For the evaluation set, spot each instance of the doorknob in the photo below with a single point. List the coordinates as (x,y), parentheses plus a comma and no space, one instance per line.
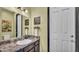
(71,36)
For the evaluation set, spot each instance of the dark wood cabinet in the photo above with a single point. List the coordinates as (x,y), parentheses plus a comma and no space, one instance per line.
(34,47)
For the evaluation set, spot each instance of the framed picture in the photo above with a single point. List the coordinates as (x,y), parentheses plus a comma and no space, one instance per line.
(6,26)
(26,22)
(36,20)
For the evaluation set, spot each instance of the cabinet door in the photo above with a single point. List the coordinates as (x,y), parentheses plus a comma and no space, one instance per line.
(37,48)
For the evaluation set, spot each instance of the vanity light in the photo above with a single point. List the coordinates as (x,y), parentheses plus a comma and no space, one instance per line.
(26,11)
(22,9)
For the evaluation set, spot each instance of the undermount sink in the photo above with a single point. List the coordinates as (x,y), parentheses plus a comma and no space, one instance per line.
(24,42)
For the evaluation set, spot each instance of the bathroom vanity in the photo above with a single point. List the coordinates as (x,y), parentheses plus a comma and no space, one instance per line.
(22,45)
(31,47)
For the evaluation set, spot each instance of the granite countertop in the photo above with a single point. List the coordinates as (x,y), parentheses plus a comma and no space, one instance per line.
(12,47)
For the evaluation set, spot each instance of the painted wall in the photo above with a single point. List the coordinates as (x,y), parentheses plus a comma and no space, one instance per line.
(29,26)
(7,15)
(42,12)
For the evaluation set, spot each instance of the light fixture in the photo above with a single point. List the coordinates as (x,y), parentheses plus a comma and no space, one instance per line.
(19,8)
(26,11)
(23,9)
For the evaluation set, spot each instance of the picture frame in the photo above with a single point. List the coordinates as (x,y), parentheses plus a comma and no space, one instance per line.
(6,26)
(26,22)
(37,20)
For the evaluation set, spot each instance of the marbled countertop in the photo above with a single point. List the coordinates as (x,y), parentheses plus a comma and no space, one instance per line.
(12,47)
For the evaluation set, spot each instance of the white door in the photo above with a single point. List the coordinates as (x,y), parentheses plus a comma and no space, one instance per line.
(62,29)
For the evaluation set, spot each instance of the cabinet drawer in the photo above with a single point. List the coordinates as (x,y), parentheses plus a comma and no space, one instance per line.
(37,42)
(29,48)
(37,48)
(32,50)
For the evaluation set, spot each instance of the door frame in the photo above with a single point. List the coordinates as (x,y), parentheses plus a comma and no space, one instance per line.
(48,28)
(76,28)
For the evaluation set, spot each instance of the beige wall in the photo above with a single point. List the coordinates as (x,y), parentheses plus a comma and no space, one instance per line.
(7,15)
(10,14)
(42,12)
(29,26)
